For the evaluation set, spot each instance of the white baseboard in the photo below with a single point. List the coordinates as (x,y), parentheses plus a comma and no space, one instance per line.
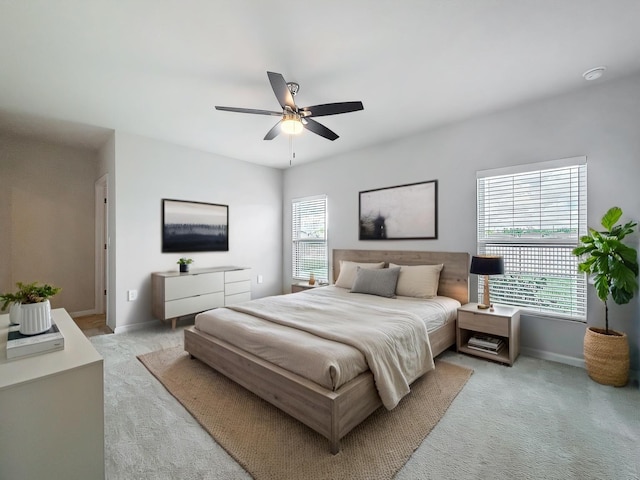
(634,375)
(553,357)
(135,326)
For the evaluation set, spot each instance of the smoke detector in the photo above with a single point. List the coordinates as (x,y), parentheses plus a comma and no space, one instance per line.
(594,73)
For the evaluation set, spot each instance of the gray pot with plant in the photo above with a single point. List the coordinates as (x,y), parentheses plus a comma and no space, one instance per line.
(613,266)
(184,264)
(30,306)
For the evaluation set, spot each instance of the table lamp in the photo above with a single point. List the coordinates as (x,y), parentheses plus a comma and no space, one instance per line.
(486,265)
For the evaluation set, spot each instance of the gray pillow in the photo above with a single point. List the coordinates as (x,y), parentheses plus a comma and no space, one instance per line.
(376,282)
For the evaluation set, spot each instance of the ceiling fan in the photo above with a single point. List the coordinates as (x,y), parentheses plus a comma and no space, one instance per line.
(293,118)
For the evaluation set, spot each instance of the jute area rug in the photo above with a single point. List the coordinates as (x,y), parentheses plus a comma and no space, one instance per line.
(269,444)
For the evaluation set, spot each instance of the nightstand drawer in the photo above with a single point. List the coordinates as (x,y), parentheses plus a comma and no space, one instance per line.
(485,323)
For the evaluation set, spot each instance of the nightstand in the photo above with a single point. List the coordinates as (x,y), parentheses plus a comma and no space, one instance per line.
(503,322)
(301,286)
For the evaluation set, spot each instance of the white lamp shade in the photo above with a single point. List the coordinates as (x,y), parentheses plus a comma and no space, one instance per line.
(291,125)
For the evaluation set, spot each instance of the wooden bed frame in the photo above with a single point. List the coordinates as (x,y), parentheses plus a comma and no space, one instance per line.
(332,414)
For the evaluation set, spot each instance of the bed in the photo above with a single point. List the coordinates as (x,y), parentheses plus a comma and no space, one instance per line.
(333,409)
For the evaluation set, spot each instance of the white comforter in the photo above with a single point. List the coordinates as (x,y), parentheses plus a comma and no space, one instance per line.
(395,343)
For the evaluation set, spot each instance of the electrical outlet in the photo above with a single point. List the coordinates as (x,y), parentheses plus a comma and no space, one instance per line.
(259,278)
(132,295)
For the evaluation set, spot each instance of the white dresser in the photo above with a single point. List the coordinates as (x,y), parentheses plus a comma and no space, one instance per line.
(175,294)
(52,409)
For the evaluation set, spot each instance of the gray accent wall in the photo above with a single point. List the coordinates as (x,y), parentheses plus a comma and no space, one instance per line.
(600,121)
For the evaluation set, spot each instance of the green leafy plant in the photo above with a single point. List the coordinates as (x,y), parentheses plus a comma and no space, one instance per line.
(29,293)
(184,261)
(612,264)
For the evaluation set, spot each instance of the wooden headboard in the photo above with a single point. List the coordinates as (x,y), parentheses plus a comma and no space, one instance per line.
(454,277)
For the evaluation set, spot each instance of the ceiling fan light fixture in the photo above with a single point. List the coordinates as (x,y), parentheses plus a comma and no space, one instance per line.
(291,124)
(292,119)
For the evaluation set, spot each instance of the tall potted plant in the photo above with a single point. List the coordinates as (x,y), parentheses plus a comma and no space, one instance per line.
(613,267)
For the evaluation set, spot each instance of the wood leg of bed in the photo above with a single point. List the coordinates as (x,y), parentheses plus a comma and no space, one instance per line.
(334,446)
(173,323)
(334,433)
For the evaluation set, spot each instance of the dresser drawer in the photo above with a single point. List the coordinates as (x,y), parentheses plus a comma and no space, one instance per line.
(485,323)
(187,306)
(237,287)
(237,298)
(191,285)
(237,275)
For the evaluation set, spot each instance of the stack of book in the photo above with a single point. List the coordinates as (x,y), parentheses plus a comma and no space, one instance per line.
(486,343)
(20,345)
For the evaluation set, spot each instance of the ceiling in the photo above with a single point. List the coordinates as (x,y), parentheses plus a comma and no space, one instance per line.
(73,71)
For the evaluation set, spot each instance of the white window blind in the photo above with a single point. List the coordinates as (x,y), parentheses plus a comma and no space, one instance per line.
(533,216)
(309,235)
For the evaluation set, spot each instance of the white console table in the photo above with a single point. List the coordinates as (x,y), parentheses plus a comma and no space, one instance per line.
(175,294)
(52,409)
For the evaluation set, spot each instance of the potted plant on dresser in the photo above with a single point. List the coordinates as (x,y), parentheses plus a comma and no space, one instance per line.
(613,267)
(184,263)
(30,306)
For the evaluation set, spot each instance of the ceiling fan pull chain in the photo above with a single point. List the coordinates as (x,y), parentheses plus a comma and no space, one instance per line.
(292,154)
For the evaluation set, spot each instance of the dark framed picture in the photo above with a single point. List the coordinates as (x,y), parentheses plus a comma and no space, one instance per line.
(404,212)
(194,227)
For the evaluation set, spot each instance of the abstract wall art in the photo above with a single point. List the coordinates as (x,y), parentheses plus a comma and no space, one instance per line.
(194,227)
(404,212)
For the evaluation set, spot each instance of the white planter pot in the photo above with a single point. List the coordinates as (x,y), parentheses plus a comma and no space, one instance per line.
(15,313)
(35,318)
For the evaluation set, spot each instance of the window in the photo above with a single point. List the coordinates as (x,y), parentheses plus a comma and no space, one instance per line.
(533,216)
(309,236)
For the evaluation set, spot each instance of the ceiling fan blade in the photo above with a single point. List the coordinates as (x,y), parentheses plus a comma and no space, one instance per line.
(332,108)
(281,90)
(249,110)
(273,133)
(319,129)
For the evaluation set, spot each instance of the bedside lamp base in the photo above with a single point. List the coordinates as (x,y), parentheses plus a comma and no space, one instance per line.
(489,307)
(486,302)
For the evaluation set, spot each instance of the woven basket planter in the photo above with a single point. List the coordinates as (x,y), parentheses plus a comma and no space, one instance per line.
(607,356)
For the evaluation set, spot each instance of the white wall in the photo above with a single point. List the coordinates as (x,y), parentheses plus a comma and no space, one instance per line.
(47,219)
(600,121)
(146,171)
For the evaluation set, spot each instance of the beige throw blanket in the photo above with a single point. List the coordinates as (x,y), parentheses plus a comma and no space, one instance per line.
(395,343)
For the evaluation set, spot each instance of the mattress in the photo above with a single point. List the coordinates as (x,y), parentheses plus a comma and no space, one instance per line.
(328,363)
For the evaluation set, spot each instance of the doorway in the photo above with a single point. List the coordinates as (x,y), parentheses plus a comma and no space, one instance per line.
(102,247)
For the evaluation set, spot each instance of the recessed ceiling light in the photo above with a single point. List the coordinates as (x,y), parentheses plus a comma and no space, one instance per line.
(594,73)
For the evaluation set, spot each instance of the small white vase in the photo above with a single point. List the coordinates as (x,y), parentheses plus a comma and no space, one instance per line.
(15,313)
(35,318)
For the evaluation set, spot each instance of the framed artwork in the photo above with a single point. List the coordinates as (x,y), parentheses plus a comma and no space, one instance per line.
(405,212)
(194,227)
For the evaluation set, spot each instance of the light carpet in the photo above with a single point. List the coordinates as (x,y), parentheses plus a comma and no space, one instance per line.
(269,444)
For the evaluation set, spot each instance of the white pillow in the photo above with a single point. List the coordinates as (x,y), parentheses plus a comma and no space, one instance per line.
(419,281)
(348,272)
